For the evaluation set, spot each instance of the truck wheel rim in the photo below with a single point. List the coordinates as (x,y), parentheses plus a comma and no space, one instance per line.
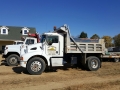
(36,66)
(13,60)
(94,63)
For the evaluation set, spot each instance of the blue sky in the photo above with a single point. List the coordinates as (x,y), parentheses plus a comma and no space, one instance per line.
(100,17)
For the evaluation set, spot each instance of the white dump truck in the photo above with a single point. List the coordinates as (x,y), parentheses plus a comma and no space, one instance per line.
(12,52)
(58,48)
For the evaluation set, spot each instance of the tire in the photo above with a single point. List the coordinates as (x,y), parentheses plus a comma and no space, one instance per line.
(95,61)
(116,59)
(12,60)
(36,61)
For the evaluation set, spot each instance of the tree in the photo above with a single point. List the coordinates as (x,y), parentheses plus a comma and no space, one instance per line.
(112,45)
(116,39)
(108,41)
(95,36)
(83,35)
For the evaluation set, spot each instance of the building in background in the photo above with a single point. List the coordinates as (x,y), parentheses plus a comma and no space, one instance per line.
(9,34)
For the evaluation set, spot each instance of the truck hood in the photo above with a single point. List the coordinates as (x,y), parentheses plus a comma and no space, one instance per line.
(13,46)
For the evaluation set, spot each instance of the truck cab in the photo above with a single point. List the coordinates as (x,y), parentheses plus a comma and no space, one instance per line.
(27,41)
(12,52)
(51,46)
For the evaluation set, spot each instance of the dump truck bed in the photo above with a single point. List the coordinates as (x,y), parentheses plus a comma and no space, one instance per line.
(79,45)
(87,46)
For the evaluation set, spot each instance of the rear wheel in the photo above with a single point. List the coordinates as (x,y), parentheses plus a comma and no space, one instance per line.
(12,60)
(93,63)
(36,66)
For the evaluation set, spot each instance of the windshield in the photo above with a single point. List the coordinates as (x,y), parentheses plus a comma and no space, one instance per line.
(43,38)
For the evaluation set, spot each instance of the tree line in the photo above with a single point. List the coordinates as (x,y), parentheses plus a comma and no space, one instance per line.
(109,41)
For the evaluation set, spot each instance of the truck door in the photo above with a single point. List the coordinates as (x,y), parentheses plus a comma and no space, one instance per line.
(52,46)
(28,42)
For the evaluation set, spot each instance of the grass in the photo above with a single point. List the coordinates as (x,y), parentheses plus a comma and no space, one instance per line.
(94,86)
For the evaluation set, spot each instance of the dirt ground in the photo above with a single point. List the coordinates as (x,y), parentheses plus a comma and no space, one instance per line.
(106,78)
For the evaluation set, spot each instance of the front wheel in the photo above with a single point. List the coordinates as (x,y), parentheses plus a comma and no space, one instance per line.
(36,66)
(12,60)
(93,63)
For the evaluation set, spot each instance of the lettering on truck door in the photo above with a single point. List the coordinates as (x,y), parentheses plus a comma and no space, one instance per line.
(53,46)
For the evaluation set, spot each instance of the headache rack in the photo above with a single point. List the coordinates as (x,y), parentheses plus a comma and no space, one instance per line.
(79,45)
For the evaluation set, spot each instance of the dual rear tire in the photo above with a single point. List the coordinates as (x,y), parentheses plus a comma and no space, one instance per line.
(93,63)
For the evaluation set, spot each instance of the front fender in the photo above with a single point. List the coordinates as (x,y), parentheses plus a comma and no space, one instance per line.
(29,55)
(12,48)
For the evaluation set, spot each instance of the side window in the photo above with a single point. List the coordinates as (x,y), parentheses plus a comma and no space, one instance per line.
(30,41)
(19,42)
(43,38)
(27,41)
(53,39)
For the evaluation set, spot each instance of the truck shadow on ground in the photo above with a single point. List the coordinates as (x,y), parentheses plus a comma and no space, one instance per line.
(3,62)
(20,70)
